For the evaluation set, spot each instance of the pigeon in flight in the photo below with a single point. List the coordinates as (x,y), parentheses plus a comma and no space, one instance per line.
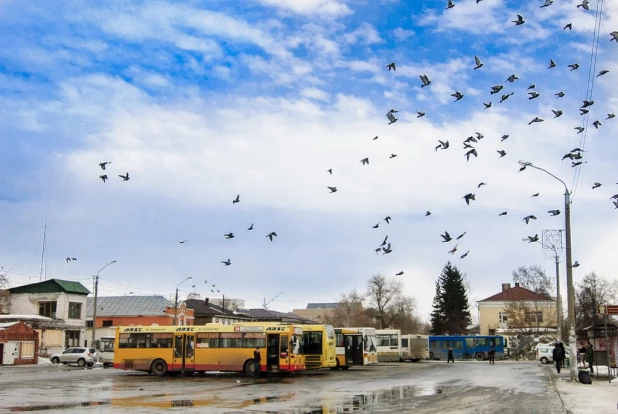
(271,235)
(420,114)
(596,185)
(237,199)
(504,213)
(597,124)
(428,213)
(229,235)
(392,156)
(568,26)
(103,164)
(576,264)
(227,262)
(478,62)
(447,237)
(443,145)
(469,197)
(583,111)
(503,137)
(391,66)
(457,95)
(534,195)
(124,177)
(450,4)
(610,116)
(560,94)
(461,235)
(587,103)
(103,177)
(392,118)
(251,226)
(584,4)
(471,152)
(376,226)
(364,161)
(384,242)
(552,64)
(387,249)
(533,95)
(614,35)
(520,20)
(426,81)
(532,239)
(554,212)
(557,112)
(487,105)
(374,138)
(536,119)
(388,219)
(330,171)
(182,241)
(378,250)
(454,249)
(481,184)
(512,78)
(603,72)
(332,189)
(573,66)
(399,274)
(68,259)
(547,3)
(463,256)
(496,89)
(502,153)
(506,96)
(533,86)
(528,218)
(579,129)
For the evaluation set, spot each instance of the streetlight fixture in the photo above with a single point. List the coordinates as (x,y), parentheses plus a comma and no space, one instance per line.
(569,268)
(176,300)
(96,293)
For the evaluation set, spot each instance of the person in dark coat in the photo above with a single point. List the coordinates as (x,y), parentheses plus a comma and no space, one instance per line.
(450,356)
(492,355)
(257,359)
(590,356)
(558,355)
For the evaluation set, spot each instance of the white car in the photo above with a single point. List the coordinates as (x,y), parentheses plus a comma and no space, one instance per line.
(75,355)
(545,353)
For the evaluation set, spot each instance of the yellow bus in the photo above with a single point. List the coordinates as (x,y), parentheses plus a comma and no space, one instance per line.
(319,346)
(211,347)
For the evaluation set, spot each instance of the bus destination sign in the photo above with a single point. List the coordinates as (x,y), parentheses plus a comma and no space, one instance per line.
(608,310)
(249,328)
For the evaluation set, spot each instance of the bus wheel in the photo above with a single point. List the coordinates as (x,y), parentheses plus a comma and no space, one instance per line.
(336,367)
(345,368)
(159,367)
(249,368)
(480,356)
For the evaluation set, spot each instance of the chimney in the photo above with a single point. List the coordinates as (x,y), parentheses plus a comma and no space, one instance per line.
(516,284)
(506,286)
(206,301)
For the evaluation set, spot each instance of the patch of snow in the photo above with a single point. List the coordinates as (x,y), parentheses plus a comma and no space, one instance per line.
(44,361)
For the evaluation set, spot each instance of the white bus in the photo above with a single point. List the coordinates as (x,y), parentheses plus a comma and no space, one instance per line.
(389,345)
(414,347)
(105,350)
(370,352)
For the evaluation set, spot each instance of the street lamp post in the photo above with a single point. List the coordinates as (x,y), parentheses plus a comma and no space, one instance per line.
(94,308)
(176,300)
(569,269)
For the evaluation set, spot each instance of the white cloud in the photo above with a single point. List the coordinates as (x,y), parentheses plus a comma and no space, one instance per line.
(366,34)
(332,8)
(315,93)
(403,34)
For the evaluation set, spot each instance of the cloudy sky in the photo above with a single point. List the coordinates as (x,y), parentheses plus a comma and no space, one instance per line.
(202,100)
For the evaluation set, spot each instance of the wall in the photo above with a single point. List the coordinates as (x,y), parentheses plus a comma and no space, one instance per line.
(489,315)
(28,304)
(318,314)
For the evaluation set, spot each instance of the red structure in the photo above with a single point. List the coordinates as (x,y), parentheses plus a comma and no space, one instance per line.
(18,344)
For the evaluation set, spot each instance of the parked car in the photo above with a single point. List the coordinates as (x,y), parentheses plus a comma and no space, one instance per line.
(75,355)
(545,353)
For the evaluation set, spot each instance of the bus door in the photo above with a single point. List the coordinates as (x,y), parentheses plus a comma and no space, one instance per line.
(184,352)
(272,353)
(354,350)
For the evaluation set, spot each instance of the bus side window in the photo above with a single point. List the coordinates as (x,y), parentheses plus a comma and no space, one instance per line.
(284,345)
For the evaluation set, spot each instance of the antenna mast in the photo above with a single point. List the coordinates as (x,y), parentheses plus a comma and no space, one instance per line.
(267,303)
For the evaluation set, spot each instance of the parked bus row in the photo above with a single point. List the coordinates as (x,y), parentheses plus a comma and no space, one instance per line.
(284,348)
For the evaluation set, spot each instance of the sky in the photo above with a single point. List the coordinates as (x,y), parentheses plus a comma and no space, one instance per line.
(201,101)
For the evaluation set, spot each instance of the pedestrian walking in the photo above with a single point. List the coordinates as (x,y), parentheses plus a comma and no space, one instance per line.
(558,355)
(450,356)
(492,355)
(590,356)
(257,359)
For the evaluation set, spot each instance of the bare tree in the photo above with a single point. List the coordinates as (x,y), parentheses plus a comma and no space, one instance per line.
(387,303)
(349,311)
(5,296)
(592,292)
(4,280)
(531,316)
(533,278)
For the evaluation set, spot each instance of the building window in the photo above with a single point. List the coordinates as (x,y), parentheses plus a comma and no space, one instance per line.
(107,323)
(534,317)
(47,309)
(71,338)
(75,310)
(27,350)
(504,317)
(89,324)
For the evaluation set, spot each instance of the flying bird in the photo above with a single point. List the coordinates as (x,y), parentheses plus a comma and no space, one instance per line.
(587,103)
(584,4)
(428,213)
(457,95)
(496,89)
(536,119)
(533,86)
(103,164)
(576,264)
(227,263)
(534,238)
(597,124)
(579,129)
(447,237)
(391,66)
(503,137)
(596,185)
(512,78)
(376,226)
(557,112)
(392,118)
(103,177)
(573,66)
(251,226)
(520,20)
(420,114)
(478,62)
(68,259)
(332,189)
(603,72)
(388,219)
(504,213)
(271,235)
(560,94)
(237,199)
(364,161)
(330,171)
(229,235)
(450,4)
(502,153)
(534,195)
(399,274)
(528,218)
(471,152)
(480,184)
(547,3)
(443,145)
(182,241)
(610,116)
(392,156)
(533,95)
(469,197)
(506,96)
(384,242)
(453,250)
(583,111)
(374,138)
(463,256)
(552,64)
(426,81)
(568,26)
(387,249)
(554,212)
(124,177)
(487,105)
(461,235)
(614,35)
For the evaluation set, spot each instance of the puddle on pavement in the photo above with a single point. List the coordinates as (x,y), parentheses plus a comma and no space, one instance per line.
(59,406)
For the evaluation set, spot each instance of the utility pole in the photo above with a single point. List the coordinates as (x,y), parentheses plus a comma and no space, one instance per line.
(94,308)
(176,300)
(552,247)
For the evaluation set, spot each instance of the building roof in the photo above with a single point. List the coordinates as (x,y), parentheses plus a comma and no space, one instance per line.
(52,286)
(517,293)
(200,309)
(7,325)
(128,306)
(321,305)
(18,317)
(270,315)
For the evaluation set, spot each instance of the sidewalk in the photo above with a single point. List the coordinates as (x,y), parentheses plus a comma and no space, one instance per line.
(599,397)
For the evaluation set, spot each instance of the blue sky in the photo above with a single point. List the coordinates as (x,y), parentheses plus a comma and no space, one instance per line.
(203,100)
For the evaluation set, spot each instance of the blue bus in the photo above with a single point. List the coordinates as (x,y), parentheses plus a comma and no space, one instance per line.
(465,347)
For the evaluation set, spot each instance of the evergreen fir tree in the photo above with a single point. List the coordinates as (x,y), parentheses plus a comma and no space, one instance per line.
(437,315)
(454,301)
